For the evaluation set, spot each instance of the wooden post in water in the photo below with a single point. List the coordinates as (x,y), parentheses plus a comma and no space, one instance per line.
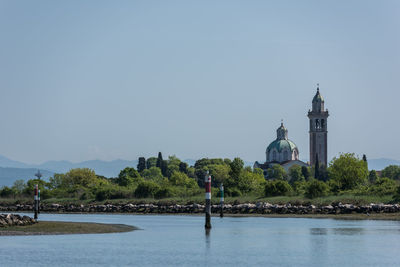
(221,192)
(36,202)
(207,185)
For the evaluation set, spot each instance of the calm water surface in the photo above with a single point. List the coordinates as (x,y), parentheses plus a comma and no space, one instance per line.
(182,241)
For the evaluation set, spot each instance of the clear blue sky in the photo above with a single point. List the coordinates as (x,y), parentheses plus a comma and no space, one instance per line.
(86,80)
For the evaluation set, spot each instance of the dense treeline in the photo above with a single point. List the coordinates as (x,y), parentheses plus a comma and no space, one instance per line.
(158,178)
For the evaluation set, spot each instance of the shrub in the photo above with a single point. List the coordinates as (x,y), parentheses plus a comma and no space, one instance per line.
(277,188)
(383,186)
(277,172)
(392,171)
(109,192)
(165,192)
(6,192)
(396,197)
(232,192)
(128,177)
(146,189)
(316,188)
(299,187)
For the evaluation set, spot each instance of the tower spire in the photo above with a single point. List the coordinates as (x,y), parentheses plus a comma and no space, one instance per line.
(318,130)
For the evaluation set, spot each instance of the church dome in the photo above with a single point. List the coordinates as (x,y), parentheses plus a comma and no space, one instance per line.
(280,145)
(282,149)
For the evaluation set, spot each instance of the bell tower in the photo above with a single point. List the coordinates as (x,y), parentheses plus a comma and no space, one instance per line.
(318,130)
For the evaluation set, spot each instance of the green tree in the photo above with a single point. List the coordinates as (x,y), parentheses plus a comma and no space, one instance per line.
(236,167)
(18,186)
(277,172)
(372,177)
(277,188)
(183,167)
(323,173)
(392,172)
(80,177)
(172,165)
(6,192)
(316,169)
(151,162)
(141,164)
(295,174)
(203,165)
(128,176)
(383,186)
(154,174)
(305,171)
(316,188)
(219,173)
(251,182)
(147,189)
(159,160)
(30,185)
(181,179)
(164,168)
(348,171)
(57,181)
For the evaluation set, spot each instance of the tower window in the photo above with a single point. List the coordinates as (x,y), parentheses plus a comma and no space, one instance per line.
(322,123)
(317,124)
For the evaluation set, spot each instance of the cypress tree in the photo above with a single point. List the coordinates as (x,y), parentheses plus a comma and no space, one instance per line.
(159,160)
(316,173)
(164,167)
(305,172)
(183,167)
(364,158)
(141,164)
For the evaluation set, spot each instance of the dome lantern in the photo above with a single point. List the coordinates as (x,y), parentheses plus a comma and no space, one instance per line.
(282,149)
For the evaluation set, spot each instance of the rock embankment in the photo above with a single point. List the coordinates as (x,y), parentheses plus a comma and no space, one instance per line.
(15,219)
(248,208)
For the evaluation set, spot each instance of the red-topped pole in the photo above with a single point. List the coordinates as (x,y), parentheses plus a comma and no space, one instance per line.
(207,185)
(36,198)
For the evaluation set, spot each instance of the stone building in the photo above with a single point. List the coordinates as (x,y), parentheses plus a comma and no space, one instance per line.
(284,152)
(318,131)
(281,151)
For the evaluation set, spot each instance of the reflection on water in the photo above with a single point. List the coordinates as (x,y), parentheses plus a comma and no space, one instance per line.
(353,231)
(348,231)
(208,240)
(318,231)
(336,231)
(183,241)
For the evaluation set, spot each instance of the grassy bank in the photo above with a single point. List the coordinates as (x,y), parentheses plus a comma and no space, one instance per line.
(62,228)
(294,200)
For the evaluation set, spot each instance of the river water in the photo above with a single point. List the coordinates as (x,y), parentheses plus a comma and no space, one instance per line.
(234,241)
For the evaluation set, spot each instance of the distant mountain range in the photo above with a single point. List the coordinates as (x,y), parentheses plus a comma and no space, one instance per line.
(9,175)
(11,170)
(379,164)
(105,168)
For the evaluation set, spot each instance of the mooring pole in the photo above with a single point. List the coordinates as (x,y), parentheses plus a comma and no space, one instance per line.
(207,181)
(36,201)
(221,192)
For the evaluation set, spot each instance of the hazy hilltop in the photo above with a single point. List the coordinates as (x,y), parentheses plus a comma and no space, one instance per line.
(9,175)
(379,164)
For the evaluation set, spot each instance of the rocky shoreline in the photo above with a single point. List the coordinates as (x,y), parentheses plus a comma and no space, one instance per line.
(247,208)
(15,220)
